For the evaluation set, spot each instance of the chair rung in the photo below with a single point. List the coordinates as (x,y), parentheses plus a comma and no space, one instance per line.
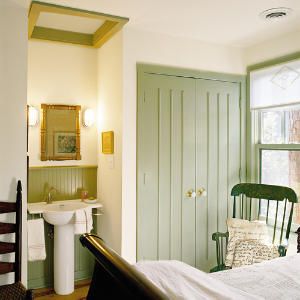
(7,247)
(7,228)
(7,207)
(7,267)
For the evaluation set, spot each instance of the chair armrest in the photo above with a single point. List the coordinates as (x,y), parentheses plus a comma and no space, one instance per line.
(217,235)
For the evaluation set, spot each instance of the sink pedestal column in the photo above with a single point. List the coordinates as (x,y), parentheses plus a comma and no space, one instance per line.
(64,259)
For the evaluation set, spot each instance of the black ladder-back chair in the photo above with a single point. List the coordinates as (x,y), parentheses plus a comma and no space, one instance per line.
(15,290)
(247,205)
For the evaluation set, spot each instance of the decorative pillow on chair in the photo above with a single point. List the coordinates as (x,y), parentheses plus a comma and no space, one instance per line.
(240,230)
(249,252)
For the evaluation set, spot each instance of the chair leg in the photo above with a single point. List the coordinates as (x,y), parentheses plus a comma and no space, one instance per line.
(29,295)
(298,240)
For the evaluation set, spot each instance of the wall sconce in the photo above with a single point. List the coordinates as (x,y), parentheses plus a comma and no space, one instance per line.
(33,116)
(88,117)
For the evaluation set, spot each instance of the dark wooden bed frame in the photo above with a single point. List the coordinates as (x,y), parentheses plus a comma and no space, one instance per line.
(114,278)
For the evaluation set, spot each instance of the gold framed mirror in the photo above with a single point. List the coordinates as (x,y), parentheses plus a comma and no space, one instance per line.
(60,132)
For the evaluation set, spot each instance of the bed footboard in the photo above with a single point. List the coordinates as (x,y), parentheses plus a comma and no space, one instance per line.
(114,277)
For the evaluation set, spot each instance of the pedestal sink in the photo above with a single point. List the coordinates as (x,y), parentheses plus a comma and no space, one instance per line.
(61,215)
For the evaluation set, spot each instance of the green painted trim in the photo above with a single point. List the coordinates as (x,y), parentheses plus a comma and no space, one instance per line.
(111,25)
(39,283)
(81,275)
(295,147)
(56,35)
(190,73)
(274,61)
(82,11)
(63,167)
(249,137)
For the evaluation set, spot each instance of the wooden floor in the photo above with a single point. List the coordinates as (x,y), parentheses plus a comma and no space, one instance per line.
(81,290)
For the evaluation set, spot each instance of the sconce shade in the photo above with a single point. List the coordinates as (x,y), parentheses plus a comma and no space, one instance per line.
(88,117)
(33,116)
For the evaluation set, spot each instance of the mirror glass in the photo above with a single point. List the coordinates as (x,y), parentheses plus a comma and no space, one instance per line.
(60,132)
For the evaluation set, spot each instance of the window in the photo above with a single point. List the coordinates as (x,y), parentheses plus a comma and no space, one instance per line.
(275,103)
(279,147)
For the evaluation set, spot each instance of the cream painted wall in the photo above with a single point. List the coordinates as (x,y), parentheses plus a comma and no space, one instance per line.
(145,47)
(110,101)
(274,48)
(13,84)
(62,74)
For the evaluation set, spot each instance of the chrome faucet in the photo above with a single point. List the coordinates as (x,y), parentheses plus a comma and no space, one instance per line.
(49,197)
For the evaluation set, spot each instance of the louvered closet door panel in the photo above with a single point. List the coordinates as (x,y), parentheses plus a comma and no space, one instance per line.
(166,168)
(218,161)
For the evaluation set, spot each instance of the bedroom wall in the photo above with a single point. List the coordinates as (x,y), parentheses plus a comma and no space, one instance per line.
(62,74)
(13,85)
(286,44)
(110,109)
(146,47)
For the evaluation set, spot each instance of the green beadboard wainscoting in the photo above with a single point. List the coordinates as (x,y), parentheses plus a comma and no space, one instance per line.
(69,182)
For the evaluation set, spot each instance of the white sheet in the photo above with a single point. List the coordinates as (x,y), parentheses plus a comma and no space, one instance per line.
(181,281)
(275,279)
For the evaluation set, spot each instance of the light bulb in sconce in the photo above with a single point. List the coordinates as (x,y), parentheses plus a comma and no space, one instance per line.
(33,116)
(88,117)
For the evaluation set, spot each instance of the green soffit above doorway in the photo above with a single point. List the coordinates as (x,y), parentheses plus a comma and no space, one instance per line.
(45,23)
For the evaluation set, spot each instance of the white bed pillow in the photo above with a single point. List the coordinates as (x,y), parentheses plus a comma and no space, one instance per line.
(248,252)
(240,230)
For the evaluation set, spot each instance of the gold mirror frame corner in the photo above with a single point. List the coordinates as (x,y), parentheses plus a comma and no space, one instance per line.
(44,109)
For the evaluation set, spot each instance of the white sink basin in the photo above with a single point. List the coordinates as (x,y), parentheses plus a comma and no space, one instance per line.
(41,207)
(61,213)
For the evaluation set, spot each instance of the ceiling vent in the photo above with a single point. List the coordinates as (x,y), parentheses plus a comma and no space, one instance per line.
(276,13)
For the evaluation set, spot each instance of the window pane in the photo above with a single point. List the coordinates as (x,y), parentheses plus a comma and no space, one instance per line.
(281,167)
(275,167)
(280,127)
(272,132)
(293,126)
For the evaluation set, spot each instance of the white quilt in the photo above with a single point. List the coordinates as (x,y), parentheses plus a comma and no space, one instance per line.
(180,281)
(272,280)
(275,279)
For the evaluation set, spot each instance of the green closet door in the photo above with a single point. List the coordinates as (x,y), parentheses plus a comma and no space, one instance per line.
(188,139)
(166,168)
(218,161)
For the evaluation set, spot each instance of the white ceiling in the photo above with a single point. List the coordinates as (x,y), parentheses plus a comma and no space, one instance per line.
(226,22)
(69,23)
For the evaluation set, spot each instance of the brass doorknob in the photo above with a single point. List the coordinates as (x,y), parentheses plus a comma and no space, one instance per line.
(201,192)
(190,194)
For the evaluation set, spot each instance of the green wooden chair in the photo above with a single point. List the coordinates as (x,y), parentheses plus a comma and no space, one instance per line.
(247,205)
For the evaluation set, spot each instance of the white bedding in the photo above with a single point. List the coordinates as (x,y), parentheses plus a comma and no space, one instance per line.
(276,279)
(180,281)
